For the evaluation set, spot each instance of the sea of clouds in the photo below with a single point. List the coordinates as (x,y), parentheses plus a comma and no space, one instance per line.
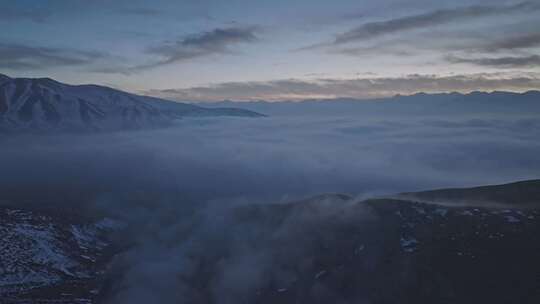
(175,186)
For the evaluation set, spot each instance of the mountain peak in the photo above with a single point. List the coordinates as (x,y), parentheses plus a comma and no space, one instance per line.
(46,104)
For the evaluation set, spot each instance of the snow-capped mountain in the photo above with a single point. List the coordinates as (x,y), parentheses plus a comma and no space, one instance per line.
(43,103)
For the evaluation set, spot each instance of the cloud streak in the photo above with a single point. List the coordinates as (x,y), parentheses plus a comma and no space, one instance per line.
(212,42)
(141,11)
(294,89)
(501,62)
(514,42)
(215,42)
(22,57)
(376,29)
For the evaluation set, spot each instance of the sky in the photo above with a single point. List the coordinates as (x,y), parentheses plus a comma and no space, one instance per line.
(210,50)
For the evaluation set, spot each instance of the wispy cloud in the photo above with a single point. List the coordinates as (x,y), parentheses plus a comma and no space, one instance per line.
(294,89)
(514,42)
(376,29)
(453,42)
(501,62)
(215,42)
(22,57)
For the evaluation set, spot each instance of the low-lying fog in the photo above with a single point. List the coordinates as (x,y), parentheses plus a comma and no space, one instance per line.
(156,179)
(277,157)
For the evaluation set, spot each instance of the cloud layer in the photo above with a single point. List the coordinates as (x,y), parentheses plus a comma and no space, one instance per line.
(501,62)
(293,89)
(177,187)
(513,42)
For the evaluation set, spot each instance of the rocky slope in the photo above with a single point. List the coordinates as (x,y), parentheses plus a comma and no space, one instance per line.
(52,256)
(333,249)
(519,194)
(326,249)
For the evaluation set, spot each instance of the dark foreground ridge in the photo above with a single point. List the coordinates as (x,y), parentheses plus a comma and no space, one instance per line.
(45,104)
(518,194)
(326,249)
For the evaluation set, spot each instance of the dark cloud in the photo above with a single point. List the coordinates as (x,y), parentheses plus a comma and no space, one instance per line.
(293,89)
(500,62)
(22,57)
(217,41)
(514,42)
(376,29)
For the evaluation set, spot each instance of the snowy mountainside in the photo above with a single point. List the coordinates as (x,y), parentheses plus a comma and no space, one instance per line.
(44,104)
(47,256)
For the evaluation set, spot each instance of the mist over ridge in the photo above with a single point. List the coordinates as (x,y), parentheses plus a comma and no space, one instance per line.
(270,152)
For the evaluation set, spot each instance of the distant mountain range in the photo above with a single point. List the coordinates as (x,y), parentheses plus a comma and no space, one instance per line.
(475,103)
(45,104)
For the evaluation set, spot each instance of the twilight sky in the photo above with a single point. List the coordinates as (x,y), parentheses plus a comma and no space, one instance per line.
(275,50)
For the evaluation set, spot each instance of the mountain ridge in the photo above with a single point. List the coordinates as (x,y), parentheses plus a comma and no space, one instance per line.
(397,96)
(525,193)
(348,248)
(454,103)
(46,104)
